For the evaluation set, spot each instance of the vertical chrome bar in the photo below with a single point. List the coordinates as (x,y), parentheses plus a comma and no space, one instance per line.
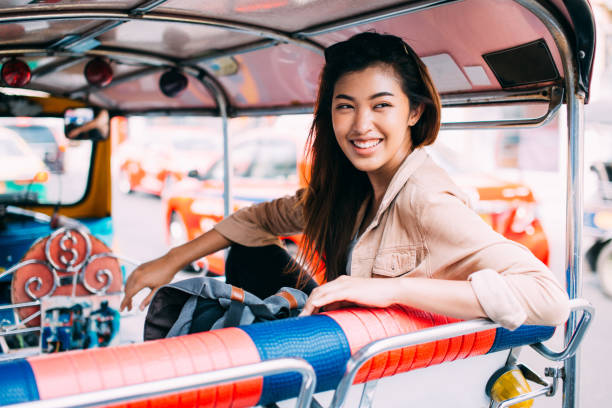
(574,188)
(575,124)
(227,165)
(222,104)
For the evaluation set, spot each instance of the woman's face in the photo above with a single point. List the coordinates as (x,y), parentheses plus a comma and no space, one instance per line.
(371,119)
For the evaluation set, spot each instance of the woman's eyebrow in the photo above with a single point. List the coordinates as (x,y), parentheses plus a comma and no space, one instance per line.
(343,96)
(376,95)
(379,94)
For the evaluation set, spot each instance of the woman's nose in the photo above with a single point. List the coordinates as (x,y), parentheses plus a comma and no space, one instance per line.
(363,121)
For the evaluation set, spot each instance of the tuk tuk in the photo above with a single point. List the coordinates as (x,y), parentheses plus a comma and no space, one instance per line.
(92,63)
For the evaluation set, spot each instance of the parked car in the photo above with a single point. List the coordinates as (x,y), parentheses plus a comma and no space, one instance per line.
(267,166)
(46,140)
(21,170)
(152,162)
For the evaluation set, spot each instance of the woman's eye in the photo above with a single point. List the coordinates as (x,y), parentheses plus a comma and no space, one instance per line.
(381,105)
(343,106)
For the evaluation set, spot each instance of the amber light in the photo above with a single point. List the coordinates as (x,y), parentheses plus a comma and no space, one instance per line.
(16,73)
(41,177)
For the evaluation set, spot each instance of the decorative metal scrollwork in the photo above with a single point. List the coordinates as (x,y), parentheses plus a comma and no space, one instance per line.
(37,280)
(102,275)
(67,235)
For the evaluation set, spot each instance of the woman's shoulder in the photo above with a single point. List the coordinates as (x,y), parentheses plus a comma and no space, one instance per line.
(430,181)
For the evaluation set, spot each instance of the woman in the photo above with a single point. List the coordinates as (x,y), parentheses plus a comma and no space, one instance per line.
(391,226)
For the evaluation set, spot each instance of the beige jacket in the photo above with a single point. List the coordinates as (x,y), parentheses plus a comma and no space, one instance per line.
(424,228)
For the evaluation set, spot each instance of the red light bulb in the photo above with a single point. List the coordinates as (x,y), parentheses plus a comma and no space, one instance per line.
(98,72)
(16,73)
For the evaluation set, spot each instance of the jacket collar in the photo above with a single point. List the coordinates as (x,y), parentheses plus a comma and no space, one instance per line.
(412,162)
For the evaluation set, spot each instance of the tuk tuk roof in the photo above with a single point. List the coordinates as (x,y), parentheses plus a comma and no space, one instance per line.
(266,55)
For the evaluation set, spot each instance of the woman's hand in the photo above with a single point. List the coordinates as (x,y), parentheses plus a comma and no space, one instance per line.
(160,271)
(348,290)
(152,275)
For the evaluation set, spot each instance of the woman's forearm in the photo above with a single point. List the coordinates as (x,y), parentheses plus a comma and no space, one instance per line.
(450,298)
(446,297)
(206,244)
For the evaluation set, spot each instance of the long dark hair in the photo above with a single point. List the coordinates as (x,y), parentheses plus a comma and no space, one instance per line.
(336,189)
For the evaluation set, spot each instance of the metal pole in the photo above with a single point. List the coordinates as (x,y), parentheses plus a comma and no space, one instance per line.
(575,104)
(222,104)
(575,124)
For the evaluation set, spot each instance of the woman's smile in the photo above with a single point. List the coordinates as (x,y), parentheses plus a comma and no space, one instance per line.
(366,146)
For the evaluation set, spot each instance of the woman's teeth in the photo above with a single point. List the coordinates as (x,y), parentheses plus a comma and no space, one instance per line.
(366,144)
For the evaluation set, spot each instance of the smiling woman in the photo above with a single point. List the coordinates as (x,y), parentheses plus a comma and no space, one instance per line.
(376,209)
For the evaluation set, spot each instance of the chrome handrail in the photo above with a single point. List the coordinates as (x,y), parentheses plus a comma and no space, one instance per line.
(576,338)
(555,102)
(405,340)
(446,331)
(188,382)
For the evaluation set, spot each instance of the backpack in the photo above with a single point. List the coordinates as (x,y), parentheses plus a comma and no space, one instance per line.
(203,303)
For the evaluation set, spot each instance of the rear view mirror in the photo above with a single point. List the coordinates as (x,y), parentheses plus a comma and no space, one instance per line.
(86,124)
(193,174)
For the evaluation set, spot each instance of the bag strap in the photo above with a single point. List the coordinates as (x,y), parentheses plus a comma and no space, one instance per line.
(234,313)
(293,304)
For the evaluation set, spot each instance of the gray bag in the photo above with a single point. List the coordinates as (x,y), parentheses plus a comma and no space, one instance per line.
(203,303)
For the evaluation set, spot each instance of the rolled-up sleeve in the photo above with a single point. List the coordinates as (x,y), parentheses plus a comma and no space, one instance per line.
(511,284)
(261,224)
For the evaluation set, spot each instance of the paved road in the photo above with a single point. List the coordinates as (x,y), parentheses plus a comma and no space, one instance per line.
(140,235)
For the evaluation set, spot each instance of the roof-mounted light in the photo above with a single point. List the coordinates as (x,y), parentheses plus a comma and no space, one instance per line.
(16,73)
(98,72)
(172,82)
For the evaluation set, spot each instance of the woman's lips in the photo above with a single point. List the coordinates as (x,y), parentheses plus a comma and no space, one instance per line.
(365,146)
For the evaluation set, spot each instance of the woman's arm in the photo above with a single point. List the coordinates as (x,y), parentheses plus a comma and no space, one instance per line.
(160,271)
(257,225)
(450,298)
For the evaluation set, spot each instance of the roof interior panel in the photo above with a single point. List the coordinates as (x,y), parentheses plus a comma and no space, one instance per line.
(72,77)
(80,4)
(293,80)
(283,13)
(181,41)
(144,93)
(41,32)
(478,33)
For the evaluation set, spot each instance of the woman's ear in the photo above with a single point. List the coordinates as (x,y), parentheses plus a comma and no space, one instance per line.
(415,114)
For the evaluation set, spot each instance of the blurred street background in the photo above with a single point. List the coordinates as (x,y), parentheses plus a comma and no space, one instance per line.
(536,159)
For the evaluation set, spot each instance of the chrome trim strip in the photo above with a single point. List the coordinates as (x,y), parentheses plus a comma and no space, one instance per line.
(188,382)
(545,94)
(555,102)
(146,6)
